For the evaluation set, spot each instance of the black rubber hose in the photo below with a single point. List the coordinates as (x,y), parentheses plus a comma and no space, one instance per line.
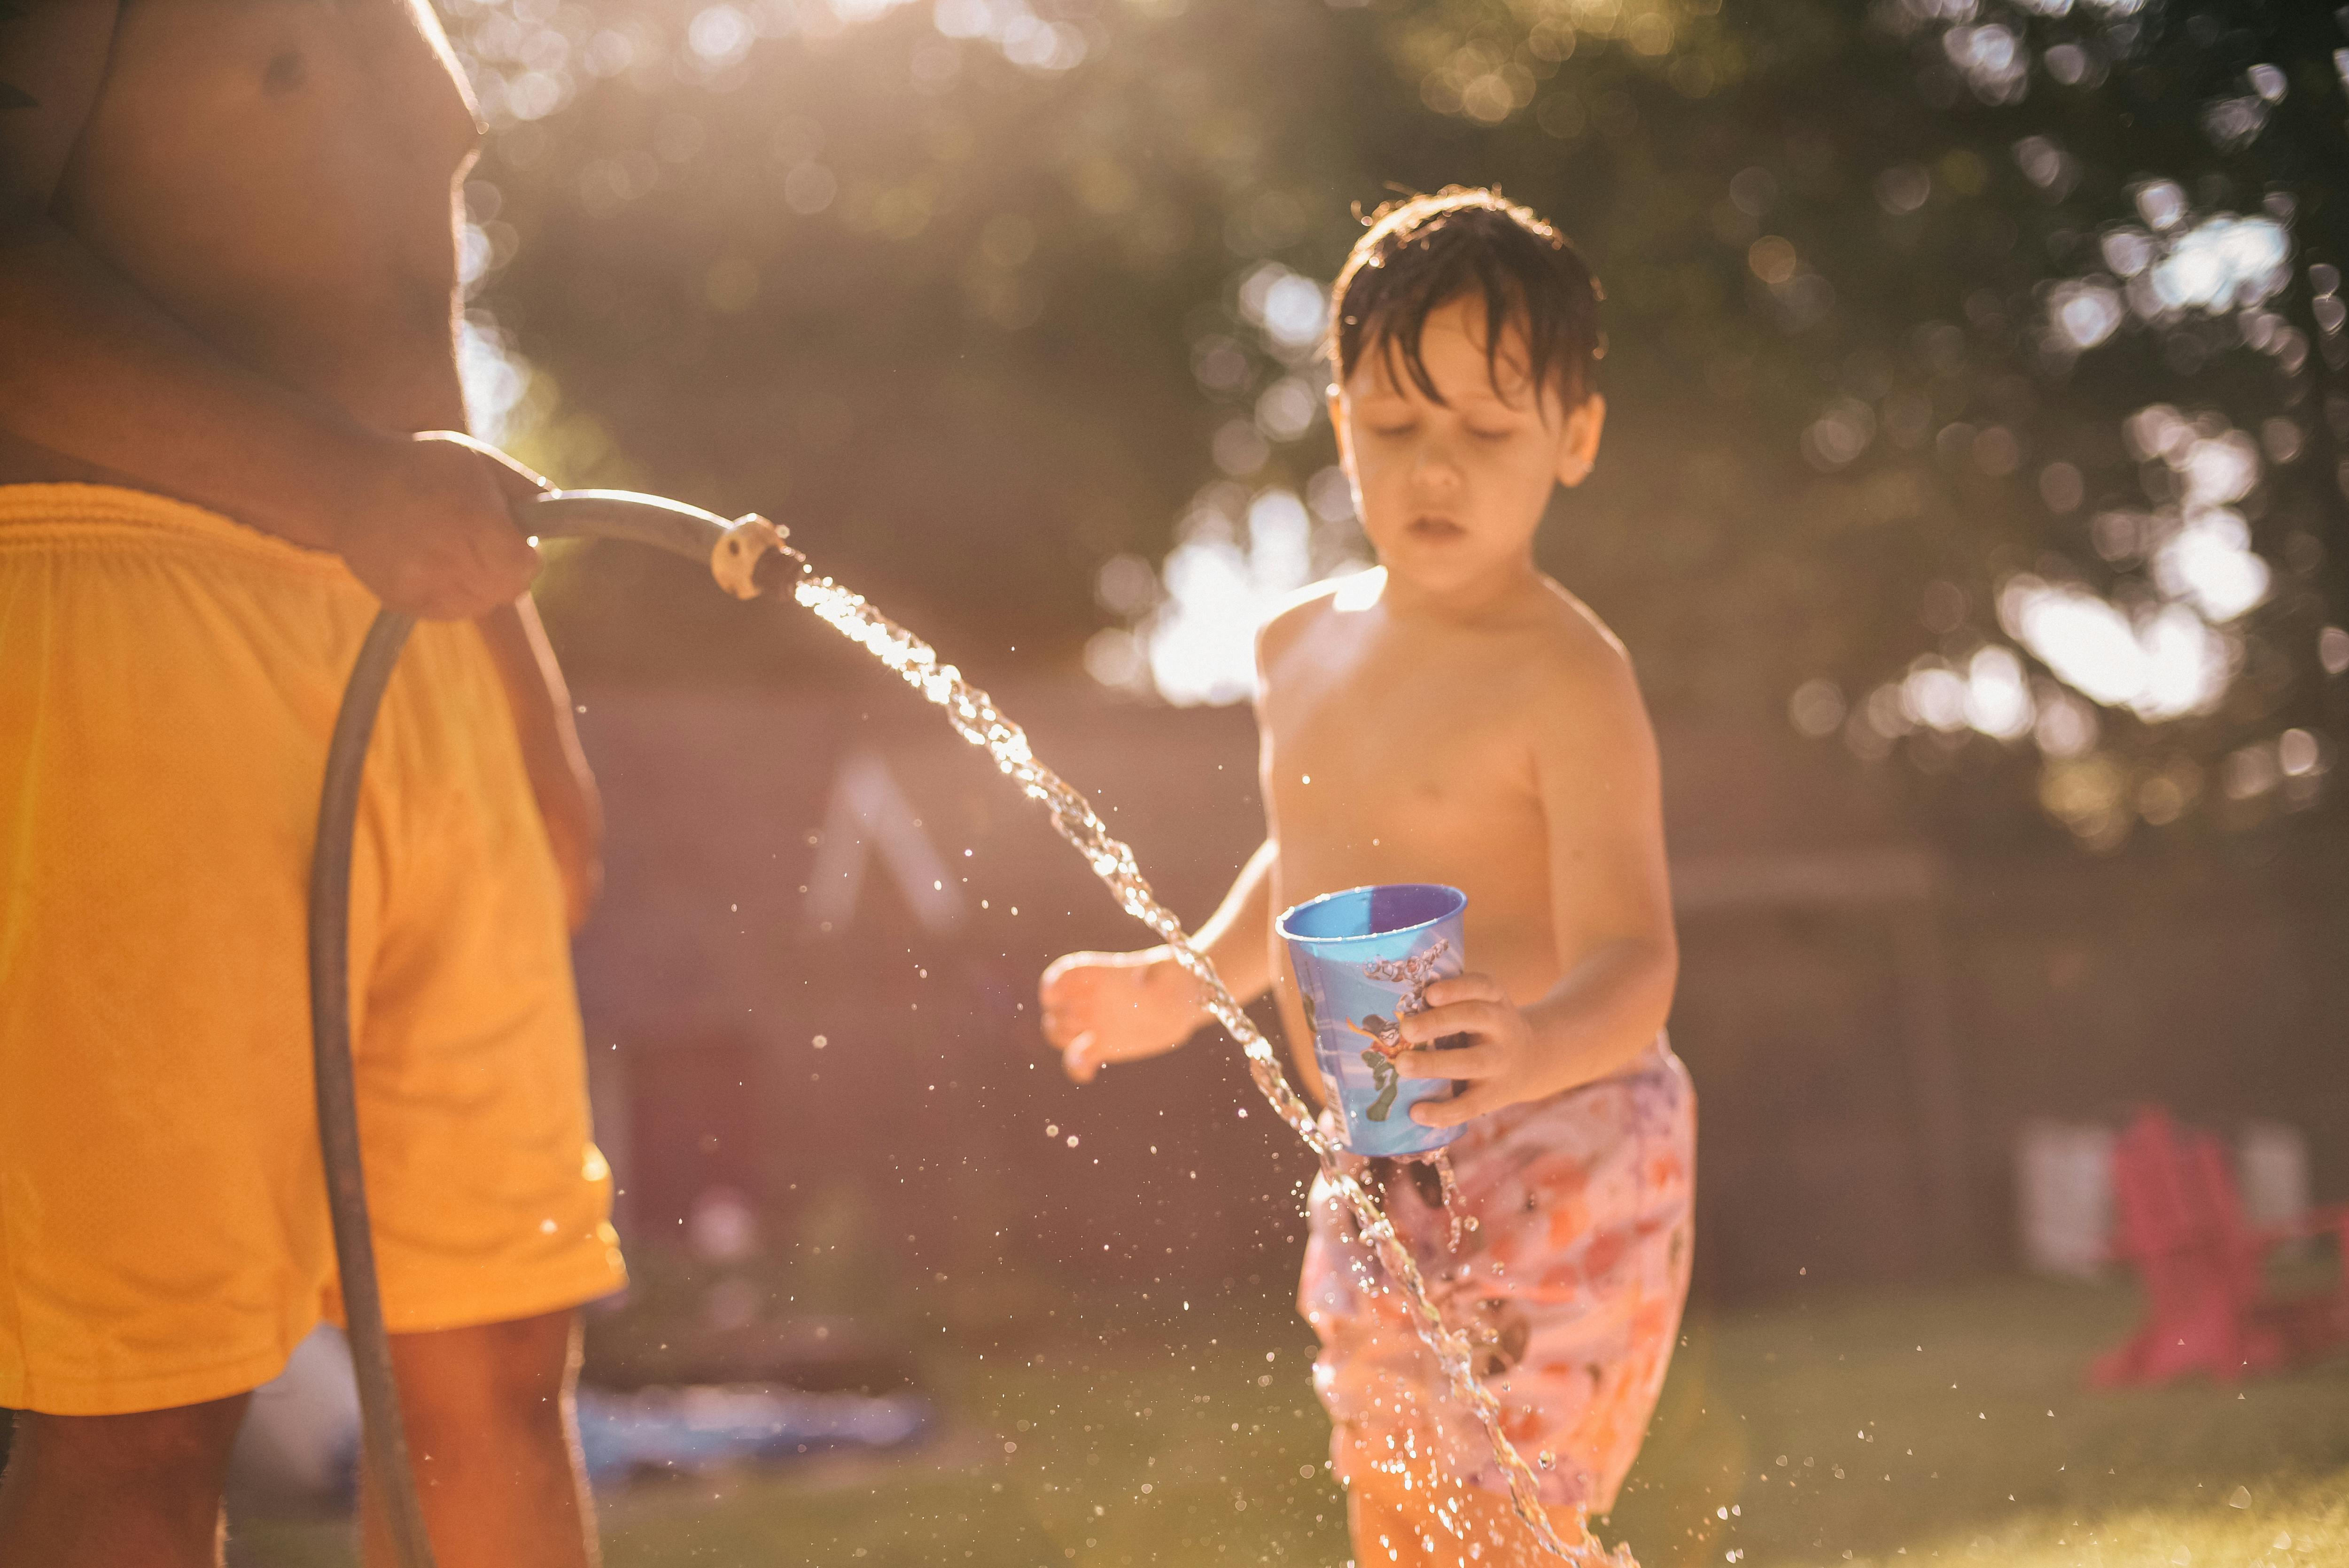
(386,1448)
(610,514)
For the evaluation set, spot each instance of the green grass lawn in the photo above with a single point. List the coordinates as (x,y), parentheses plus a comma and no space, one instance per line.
(1884,1429)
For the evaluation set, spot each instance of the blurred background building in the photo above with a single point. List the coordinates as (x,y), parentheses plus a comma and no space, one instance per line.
(813,981)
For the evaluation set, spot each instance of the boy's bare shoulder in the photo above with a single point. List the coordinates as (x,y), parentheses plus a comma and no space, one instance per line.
(1297,616)
(1566,645)
(1573,680)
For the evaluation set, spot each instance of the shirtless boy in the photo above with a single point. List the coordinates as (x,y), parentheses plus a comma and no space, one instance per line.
(1455,717)
(228,287)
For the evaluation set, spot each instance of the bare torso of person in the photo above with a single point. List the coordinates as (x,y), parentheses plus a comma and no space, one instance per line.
(278,175)
(1399,751)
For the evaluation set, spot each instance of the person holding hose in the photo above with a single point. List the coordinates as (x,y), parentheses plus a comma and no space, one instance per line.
(230,428)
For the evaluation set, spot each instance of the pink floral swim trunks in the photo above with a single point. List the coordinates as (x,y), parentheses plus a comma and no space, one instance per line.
(1570,1284)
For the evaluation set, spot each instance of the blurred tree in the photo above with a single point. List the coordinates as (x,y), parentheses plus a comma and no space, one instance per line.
(917,285)
(2047,298)
(1976,366)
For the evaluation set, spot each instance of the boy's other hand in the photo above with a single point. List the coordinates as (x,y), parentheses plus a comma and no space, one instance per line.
(1105,1007)
(431,528)
(1500,1062)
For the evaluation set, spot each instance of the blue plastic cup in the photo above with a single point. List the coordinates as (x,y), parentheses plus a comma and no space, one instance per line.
(1363,959)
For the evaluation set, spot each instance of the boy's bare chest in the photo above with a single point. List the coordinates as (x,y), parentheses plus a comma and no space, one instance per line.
(1382,756)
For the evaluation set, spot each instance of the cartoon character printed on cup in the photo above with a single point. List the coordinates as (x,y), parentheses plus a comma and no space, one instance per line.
(1414,973)
(1386,1040)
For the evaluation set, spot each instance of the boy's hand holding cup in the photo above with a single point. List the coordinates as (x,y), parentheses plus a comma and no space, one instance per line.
(1495,1065)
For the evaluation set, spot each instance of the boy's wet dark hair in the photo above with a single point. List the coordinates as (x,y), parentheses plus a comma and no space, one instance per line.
(1421,254)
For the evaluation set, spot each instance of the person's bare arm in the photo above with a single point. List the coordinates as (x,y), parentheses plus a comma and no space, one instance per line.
(95,371)
(1237,938)
(1105,1007)
(551,753)
(1595,761)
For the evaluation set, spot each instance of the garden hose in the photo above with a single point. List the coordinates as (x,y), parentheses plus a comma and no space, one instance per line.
(748,558)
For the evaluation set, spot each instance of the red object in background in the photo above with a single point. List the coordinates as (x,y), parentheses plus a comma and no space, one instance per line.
(2208,1308)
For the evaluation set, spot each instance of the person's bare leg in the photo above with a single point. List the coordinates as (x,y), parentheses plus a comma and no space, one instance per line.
(491,1432)
(84,1491)
(1407,1515)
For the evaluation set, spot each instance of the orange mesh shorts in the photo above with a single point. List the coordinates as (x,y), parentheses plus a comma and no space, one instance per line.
(168,681)
(1570,1286)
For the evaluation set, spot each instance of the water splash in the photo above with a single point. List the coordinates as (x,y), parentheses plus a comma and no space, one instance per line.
(975,716)
(1454,1208)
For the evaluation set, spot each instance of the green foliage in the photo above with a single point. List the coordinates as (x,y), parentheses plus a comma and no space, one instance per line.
(1823,234)
(975,327)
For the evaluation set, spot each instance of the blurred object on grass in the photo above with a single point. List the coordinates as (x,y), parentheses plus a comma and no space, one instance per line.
(2211,1308)
(298,1450)
(2273,1160)
(2062,1178)
(678,1432)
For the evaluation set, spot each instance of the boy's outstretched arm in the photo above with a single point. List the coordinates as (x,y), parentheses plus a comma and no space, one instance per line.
(1103,1007)
(1611,910)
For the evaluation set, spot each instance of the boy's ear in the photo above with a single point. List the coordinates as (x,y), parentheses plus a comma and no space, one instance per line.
(1577,439)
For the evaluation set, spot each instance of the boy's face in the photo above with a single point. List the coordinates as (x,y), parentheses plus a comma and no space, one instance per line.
(1450,493)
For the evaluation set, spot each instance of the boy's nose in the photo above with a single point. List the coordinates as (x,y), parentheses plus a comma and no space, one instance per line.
(1433,469)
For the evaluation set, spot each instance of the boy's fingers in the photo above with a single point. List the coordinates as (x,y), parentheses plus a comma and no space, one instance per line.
(1466,1062)
(1473,1017)
(1465,1106)
(1464,988)
(1079,1060)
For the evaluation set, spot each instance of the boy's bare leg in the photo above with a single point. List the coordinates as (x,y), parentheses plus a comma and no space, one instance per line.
(1415,1517)
(94,1492)
(489,1431)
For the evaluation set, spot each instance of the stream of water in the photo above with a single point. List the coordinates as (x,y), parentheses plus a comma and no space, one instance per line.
(977,720)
